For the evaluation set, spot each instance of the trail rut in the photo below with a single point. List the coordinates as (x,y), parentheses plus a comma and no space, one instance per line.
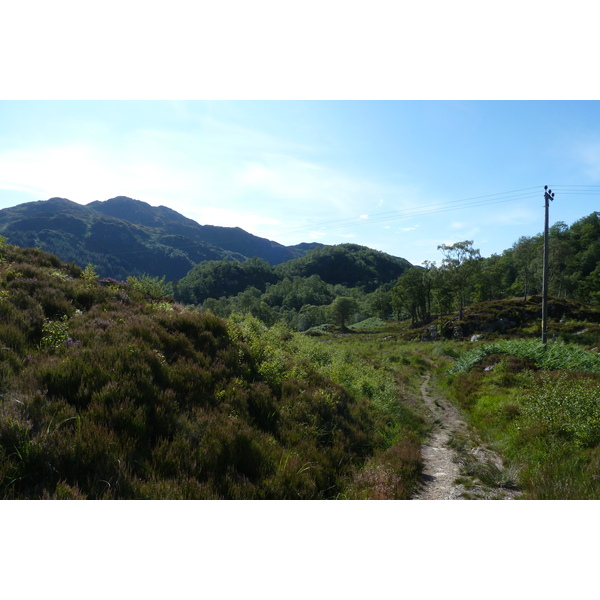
(471,472)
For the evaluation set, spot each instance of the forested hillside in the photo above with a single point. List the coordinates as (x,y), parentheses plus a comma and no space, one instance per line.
(124,237)
(297,292)
(463,277)
(303,293)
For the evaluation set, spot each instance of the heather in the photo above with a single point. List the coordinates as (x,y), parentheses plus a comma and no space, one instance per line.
(111,391)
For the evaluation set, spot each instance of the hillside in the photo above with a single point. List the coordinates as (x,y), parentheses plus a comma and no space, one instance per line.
(108,391)
(350,265)
(297,292)
(123,237)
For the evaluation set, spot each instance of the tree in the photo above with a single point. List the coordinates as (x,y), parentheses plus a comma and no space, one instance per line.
(460,261)
(411,294)
(493,277)
(311,315)
(525,251)
(562,267)
(342,309)
(380,302)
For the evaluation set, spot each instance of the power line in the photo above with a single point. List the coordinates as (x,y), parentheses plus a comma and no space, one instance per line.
(510,196)
(440,207)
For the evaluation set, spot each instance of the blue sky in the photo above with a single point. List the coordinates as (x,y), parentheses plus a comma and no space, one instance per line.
(399,176)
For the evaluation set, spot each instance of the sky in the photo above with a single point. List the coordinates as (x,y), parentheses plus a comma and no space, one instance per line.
(400,176)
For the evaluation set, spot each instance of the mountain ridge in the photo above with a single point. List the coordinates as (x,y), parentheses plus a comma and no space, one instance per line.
(123,236)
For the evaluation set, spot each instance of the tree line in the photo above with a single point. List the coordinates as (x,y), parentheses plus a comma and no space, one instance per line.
(306,292)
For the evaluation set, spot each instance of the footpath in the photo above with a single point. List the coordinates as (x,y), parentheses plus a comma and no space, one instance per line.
(457,466)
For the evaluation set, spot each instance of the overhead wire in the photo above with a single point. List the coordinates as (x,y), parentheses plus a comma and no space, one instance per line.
(440,207)
(510,196)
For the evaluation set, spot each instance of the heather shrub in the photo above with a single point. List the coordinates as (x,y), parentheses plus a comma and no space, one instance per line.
(391,475)
(107,398)
(12,338)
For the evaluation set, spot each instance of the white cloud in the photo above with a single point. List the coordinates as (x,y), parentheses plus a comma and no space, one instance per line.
(17,188)
(320,189)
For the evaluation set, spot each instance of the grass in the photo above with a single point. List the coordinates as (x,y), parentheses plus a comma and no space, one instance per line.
(553,355)
(540,408)
(370,323)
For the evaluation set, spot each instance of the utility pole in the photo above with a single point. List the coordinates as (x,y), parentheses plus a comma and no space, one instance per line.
(548,195)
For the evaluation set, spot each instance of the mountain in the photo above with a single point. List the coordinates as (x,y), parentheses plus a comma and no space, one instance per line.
(171,223)
(123,237)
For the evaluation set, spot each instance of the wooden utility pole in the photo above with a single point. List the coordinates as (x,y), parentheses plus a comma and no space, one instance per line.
(548,195)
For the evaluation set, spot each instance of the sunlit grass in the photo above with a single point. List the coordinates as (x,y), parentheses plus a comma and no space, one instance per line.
(553,355)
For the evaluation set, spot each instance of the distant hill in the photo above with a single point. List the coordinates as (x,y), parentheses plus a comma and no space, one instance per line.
(123,237)
(350,265)
(346,265)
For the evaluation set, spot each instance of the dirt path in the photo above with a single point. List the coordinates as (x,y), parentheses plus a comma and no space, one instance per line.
(456,465)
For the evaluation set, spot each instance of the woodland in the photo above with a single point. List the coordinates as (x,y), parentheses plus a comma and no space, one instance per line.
(301,292)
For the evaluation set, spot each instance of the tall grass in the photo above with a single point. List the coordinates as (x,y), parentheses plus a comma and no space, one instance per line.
(564,407)
(553,355)
(547,421)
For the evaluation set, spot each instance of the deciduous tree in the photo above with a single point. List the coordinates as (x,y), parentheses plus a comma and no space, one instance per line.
(460,261)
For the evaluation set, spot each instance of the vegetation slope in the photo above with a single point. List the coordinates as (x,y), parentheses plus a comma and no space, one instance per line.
(110,391)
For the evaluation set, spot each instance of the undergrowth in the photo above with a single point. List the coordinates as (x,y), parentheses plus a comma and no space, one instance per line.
(110,391)
(349,362)
(541,408)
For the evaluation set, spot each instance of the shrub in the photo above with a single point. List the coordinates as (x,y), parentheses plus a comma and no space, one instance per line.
(55,334)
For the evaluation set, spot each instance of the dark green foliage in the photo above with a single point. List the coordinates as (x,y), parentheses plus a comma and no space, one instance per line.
(110,392)
(299,300)
(214,279)
(349,265)
(412,294)
(342,309)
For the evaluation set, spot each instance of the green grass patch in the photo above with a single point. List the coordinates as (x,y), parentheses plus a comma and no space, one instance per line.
(544,421)
(370,323)
(553,355)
